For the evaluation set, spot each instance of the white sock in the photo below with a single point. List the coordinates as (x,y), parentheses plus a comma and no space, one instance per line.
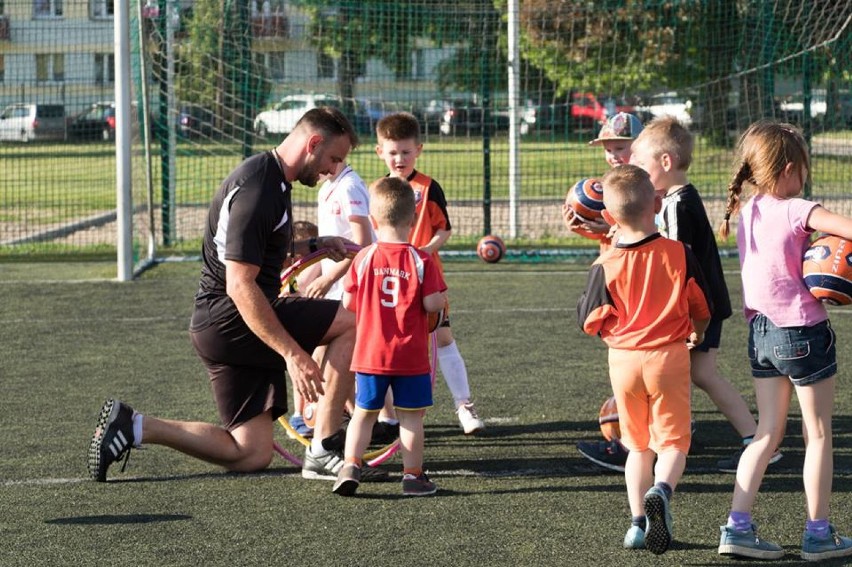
(137,429)
(454,372)
(316,447)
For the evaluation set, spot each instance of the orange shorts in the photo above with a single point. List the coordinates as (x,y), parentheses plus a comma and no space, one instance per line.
(652,391)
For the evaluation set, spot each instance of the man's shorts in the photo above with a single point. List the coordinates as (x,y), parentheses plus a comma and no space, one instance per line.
(247,377)
(804,354)
(409,392)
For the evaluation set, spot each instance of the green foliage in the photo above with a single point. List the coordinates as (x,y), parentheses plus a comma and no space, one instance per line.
(215,67)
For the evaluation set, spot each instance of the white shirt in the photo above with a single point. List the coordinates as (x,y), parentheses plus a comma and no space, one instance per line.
(338,200)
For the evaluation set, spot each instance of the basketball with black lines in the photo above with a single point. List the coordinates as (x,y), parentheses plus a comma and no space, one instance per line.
(827,269)
(491,249)
(608,420)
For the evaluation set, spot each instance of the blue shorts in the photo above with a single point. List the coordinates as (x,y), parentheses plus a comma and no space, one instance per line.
(712,336)
(409,392)
(805,354)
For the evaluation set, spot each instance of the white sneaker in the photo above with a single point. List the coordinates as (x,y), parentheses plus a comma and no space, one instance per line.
(468,418)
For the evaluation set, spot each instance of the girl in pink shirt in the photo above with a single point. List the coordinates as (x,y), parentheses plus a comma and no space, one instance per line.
(791,344)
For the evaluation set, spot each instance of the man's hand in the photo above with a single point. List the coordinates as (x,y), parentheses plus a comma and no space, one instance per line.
(306,376)
(336,246)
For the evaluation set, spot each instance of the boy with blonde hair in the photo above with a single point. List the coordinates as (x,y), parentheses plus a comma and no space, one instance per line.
(399,147)
(664,150)
(646,299)
(391,285)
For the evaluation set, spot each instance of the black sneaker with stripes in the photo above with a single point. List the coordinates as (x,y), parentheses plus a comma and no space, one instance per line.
(113,438)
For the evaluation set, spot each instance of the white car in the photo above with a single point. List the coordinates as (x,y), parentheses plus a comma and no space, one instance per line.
(282,117)
(23,122)
(669,103)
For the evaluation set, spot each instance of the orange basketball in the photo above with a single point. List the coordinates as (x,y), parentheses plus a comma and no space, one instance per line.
(491,248)
(436,318)
(309,414)
(827,269)
(608,419)
(586,199)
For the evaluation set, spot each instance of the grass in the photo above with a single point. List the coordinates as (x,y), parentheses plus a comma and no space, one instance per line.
(65,181)
(519,494)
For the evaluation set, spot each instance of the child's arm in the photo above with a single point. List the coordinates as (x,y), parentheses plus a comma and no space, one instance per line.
(574,223)
(697,336)
(348,301)
(320,285)
(435,301)
(441,236)
(595,309)
(823,220)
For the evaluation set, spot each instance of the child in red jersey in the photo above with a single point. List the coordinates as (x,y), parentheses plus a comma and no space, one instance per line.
(647,300)
(391,285)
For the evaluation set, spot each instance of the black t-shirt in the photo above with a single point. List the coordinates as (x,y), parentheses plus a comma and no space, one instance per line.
(684,218)
(250,220)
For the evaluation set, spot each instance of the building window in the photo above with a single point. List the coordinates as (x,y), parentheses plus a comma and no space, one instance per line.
(102,8)
(104,68)
(325,66)
(47,8)
(50,67)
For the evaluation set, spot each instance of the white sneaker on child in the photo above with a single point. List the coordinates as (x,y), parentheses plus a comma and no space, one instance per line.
(469,419)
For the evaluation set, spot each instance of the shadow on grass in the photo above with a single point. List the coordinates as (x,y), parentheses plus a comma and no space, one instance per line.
(114,519)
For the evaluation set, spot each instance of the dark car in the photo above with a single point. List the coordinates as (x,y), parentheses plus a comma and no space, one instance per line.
(195,122)
(95,123)
(463,118)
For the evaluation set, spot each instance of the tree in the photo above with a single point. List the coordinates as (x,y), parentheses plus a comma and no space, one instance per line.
(215,66)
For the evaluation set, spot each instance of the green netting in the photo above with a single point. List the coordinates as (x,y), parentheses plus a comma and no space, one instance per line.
(221,79)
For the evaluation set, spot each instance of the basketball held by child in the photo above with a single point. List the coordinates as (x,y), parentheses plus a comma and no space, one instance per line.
(435,318)
(827,269)
(491,249)
(586,199)
(608,420)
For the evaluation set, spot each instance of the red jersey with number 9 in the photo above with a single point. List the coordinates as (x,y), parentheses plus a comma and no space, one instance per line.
(388,282)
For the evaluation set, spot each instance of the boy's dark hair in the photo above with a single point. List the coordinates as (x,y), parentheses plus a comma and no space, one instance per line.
(398,126)
(330,122)
(302,230)
(392,201)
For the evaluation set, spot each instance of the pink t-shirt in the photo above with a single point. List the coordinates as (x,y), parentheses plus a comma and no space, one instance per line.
(772,237)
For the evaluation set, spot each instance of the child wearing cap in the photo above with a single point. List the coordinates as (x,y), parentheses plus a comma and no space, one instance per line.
(616,136)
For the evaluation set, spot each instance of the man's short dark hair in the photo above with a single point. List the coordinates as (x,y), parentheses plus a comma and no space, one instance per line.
(330,122)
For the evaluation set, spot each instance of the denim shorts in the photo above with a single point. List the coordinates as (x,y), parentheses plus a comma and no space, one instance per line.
(805,354)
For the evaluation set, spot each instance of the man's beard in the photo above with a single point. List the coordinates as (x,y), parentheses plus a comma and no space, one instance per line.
(309,176)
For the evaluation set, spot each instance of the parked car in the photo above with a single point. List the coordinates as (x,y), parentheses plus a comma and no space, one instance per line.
(670,103)
(431,115)
(95,123)
(24,122)
(368,112)
(282,117)
(792,108)
(195,121)
(579,111)
(464,118)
